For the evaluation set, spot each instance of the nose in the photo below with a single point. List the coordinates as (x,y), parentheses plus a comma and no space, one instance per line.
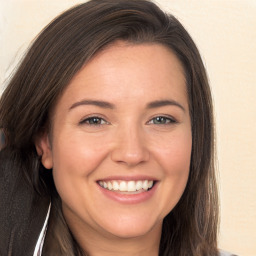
(130,147)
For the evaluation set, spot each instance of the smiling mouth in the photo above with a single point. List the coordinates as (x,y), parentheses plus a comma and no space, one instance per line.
(131,186)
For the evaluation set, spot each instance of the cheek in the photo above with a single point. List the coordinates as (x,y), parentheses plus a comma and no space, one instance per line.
(174,153)
(174,159)
(76,156)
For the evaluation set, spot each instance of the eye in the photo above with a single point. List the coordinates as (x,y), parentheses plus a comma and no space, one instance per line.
(162,120)
(93,120)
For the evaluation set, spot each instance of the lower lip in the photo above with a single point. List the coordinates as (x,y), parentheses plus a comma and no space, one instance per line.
(129,198)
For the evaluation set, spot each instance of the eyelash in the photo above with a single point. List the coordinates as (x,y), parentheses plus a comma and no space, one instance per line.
(167,120)
(92,121)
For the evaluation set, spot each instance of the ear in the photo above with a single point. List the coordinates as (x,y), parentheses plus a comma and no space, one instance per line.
(43,148)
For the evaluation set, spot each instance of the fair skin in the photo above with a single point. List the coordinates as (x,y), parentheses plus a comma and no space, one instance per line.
(124,118)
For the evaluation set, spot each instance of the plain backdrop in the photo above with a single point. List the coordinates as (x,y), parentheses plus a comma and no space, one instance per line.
(225,33)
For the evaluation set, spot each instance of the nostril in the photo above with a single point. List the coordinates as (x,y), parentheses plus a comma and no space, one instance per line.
(130,155)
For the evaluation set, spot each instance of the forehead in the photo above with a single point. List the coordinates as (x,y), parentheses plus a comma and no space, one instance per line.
(128,71)
(157,56)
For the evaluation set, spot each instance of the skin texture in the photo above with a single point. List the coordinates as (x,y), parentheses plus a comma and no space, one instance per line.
(127,141)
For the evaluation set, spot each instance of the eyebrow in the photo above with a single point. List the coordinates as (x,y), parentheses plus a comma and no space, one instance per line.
(162,103)
(107,105)
(98,103)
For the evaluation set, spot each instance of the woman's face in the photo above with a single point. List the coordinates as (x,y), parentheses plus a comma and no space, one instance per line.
(121,141)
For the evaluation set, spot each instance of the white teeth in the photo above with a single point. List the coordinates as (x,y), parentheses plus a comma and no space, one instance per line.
(115,185)
(123,186)
(110,185)
(127,186)
(150,184)
(145,185)
(131,186)
(138,185)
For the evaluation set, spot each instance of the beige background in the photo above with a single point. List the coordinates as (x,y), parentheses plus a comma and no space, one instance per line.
(225,32)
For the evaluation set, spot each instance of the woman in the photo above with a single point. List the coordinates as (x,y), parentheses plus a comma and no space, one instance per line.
(109,136)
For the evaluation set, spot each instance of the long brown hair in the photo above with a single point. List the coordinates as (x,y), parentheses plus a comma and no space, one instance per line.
(56,55)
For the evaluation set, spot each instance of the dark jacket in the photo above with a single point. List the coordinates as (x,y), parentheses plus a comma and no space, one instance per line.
(22,212)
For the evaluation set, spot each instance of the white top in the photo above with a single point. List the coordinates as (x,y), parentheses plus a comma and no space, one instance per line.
(224,253)
(40,240)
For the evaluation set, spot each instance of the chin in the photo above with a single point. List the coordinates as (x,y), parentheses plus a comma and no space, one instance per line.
(139,227)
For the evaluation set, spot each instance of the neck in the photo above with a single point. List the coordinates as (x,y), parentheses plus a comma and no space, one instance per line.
(110,245)
(127,247)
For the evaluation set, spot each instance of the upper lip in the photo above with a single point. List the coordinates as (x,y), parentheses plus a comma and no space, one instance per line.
(127,178)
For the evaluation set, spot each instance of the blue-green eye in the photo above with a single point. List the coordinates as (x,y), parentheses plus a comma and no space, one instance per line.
(94,120)
(162,120)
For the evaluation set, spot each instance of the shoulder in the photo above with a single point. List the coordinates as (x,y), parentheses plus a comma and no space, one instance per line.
(23,211)
(224,253)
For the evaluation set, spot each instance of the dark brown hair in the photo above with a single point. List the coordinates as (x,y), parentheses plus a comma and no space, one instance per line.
(56,55)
